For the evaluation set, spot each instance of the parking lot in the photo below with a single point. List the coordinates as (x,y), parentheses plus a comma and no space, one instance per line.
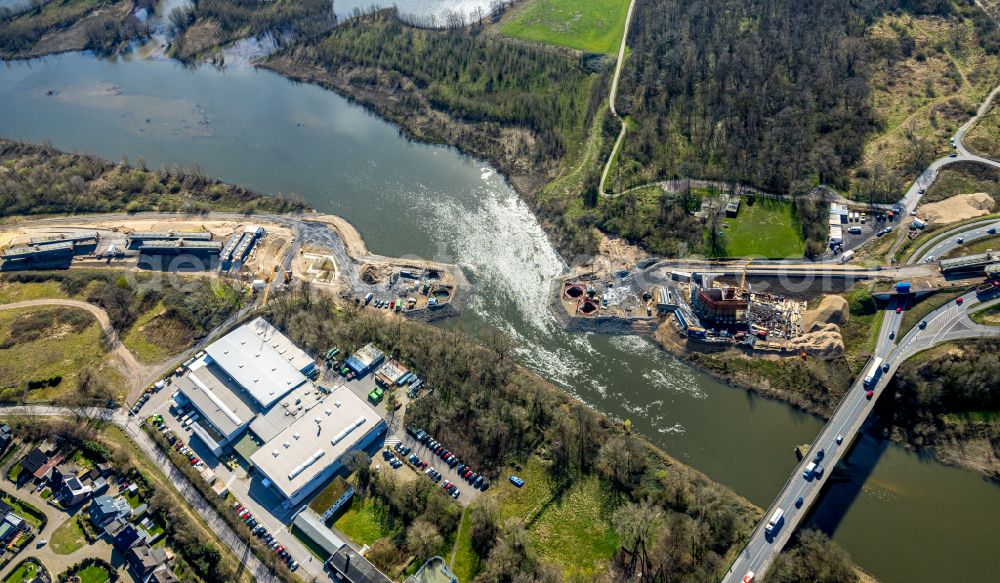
(397,434)
(262,502)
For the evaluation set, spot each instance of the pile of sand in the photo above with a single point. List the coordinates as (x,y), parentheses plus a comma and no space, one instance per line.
(957,208)
(825,342)
(832,309)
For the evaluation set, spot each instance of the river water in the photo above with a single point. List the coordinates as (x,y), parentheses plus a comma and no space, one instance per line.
(902,518)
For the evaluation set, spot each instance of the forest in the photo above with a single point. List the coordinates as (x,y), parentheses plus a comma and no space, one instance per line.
(768,92)
(39,179)
(771,93)
(672,522)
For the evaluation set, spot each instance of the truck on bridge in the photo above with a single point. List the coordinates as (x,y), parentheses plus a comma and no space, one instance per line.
(874,370)
(777,519)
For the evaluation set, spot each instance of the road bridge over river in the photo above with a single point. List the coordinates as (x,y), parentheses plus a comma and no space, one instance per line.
(949,322)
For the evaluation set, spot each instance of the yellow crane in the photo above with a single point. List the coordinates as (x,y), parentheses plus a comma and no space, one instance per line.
(743,280)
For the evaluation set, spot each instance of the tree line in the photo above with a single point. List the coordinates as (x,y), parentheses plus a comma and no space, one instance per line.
(39,179)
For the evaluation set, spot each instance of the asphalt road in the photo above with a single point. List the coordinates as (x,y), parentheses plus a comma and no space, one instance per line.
(948,241)
(948,322)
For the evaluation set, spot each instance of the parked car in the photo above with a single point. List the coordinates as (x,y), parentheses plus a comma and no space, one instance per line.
(516,481)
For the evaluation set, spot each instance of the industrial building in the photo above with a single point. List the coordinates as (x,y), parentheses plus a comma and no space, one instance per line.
(316,445)
(253,382)
(239,378)
(57,255)
(723,306)
(179,246)
(365,360)
(238,248)
(141,237)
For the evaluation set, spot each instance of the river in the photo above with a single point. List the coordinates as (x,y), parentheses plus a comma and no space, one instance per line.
(902,517)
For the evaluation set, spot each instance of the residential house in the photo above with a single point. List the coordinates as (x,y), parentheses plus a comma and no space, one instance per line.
(33,462)
(74,492)
(11,525)
(6,437)
(143,560)
(163,575)
(128,537)
(61,473)
(104,509)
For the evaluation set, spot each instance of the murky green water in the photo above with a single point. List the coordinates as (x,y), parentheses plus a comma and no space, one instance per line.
(902,518)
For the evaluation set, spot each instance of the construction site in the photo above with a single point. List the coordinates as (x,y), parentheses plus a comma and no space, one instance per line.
(698,307)
(265,253)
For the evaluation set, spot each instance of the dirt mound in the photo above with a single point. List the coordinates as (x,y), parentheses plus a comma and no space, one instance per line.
(832,310)
(957,208)
(826,342)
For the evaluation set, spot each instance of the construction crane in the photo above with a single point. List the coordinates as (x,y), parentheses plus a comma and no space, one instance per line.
(743,280)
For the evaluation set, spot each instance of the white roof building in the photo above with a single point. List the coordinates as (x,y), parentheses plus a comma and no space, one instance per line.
(310,450)
(262,360)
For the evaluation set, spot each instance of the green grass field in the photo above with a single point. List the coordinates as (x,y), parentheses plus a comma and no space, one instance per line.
(594,26)
(93,574)
(363,521)
(522,503)
(68,538)
(767,228)
(573,532)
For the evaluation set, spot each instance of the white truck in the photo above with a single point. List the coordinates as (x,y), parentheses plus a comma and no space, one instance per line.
(874,370)
(847,256)
(774,524)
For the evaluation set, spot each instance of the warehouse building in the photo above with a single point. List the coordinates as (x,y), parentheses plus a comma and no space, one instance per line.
(239,380)
(313,448)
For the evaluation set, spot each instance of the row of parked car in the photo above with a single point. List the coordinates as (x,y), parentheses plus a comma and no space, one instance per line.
(189,453)
(259,531)
(474,478)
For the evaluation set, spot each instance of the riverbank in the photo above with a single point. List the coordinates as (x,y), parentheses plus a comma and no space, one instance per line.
(103,26)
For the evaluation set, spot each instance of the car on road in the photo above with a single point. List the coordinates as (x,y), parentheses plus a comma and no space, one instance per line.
(960,240)
(922,324)
(991,231)
(928,259)
(885,367)
(869,394)
(840,439)
(892,334)
(516,481)
(798,502)
(819,455)
(748,578)
(959,300)
(899,309)
(953,155)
